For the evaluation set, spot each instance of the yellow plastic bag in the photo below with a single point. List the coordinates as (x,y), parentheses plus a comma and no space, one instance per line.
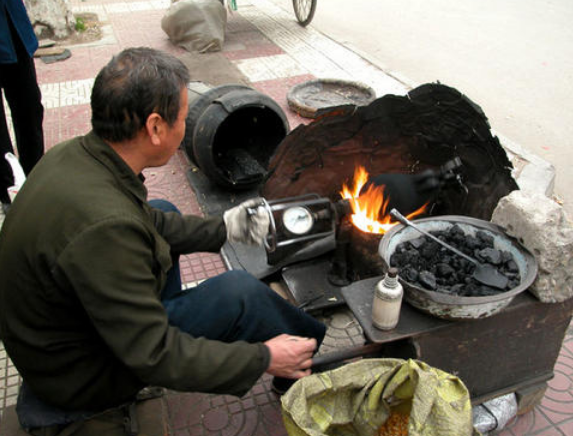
(356,400)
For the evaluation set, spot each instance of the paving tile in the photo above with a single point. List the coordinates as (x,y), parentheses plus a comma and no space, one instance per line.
(270,67)
(278,89)
(566,427)
(84,63)
(530,423)
(63,123)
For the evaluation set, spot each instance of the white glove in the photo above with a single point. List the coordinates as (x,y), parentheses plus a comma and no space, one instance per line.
(248,222)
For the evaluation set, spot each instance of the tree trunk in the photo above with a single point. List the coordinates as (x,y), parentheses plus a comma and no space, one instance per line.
(51,18)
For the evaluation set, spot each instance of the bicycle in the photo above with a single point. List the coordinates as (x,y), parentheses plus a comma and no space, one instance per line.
(304,11)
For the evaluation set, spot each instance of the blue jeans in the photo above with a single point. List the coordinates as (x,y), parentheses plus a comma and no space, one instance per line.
(232,306)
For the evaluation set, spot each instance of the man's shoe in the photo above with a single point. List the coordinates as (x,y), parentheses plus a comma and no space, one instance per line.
(280,385)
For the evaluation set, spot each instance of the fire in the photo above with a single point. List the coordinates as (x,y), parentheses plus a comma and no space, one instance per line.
(368,207)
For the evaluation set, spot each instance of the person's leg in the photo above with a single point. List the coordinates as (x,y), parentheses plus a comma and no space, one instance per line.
(25,100)
(232,306)
(236,306)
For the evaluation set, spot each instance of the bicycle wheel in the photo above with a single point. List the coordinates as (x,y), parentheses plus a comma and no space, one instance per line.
(304,10)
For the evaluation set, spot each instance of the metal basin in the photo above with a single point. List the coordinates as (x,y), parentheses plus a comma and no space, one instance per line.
(448,306)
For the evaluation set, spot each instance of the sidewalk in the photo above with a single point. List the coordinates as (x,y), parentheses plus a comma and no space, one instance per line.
(273,53)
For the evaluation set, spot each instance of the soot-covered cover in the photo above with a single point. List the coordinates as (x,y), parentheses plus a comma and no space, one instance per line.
(397,134)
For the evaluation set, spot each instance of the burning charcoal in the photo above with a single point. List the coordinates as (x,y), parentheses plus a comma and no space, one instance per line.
(427,280)
(485,238)
(444,270)
(490,255)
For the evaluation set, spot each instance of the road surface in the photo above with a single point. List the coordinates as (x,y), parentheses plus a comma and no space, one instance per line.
(513,58)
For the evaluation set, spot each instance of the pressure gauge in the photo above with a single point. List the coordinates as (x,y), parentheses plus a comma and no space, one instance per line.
(298,220)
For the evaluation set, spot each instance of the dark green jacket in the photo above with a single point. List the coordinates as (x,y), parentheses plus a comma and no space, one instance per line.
(83,259)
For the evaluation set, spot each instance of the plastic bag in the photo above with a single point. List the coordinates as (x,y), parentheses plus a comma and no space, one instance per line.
(495,414)
(196,25)
(19,176)
(358,398)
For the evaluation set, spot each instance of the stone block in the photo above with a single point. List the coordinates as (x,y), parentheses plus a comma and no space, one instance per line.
(542,226)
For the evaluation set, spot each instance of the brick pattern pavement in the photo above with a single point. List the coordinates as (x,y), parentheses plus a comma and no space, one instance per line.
(274,53)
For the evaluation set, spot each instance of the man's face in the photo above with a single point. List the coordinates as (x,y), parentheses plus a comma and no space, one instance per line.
(176,132)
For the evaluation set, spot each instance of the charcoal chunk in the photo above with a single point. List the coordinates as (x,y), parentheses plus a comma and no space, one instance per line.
(472,243)
(425,263)
(417,243)
(485,238)
(512,266)
(429,250)
(455,231)
(506,256)
(444,270)
(410,275)
(471,290)
(427,280)
(490,255)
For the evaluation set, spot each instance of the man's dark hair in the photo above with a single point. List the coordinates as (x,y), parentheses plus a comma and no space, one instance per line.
(133,85)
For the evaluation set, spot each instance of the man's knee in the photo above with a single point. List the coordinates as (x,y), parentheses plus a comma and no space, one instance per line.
(164,205)
(242,284)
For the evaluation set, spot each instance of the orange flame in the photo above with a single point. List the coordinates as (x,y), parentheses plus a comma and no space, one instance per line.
(370,205)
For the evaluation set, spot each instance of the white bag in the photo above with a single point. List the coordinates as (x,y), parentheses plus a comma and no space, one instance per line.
(19,176)
(196,25)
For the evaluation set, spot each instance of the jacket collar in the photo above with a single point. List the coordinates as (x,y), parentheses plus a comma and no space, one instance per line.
(102,152)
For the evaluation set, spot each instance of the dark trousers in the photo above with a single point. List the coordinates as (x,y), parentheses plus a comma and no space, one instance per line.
(232,306)
(20,87)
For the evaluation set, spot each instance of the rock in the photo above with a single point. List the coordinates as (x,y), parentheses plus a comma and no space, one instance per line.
(542,226)
(51,18)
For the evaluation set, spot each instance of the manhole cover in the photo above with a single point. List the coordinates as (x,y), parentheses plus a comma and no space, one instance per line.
(308,98)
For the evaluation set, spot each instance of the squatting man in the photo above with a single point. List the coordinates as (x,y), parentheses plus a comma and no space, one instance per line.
(91,305)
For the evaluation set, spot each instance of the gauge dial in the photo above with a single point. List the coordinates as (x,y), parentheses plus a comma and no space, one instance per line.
(298,220)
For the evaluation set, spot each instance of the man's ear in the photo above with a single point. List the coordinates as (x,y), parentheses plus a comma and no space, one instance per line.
(154,126)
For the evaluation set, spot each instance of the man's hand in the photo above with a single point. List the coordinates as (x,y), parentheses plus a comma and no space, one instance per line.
(247,223)
(291,356)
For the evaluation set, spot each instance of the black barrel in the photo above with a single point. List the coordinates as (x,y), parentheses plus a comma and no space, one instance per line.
(231,133)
